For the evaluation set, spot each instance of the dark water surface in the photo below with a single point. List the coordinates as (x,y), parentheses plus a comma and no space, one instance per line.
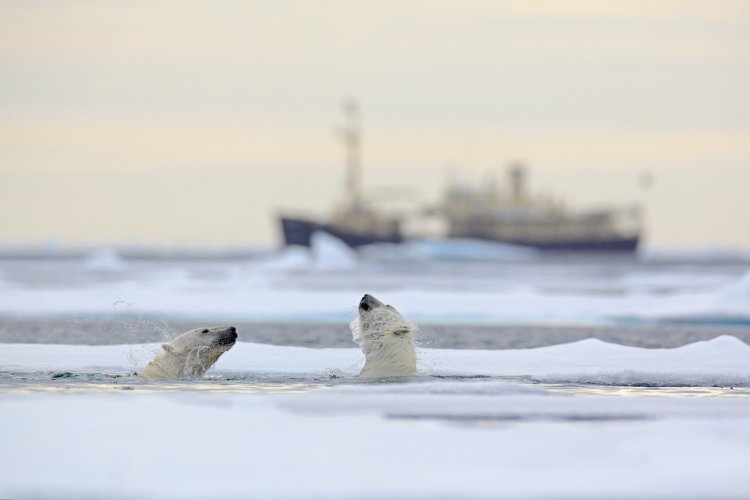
(139,330)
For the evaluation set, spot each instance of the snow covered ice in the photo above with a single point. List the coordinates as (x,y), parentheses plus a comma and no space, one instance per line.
(587,419)
(270,422)
(321,282)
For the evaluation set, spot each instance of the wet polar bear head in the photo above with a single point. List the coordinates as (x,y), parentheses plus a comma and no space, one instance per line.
(192,353)
(386,339)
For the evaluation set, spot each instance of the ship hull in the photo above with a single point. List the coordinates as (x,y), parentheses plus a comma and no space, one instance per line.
(299,232)
(604,245)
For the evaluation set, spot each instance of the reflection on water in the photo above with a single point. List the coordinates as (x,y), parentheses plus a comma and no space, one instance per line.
(99,382)
(630,391)
(116,382)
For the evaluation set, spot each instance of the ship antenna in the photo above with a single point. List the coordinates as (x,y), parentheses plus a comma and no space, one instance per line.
(352,137)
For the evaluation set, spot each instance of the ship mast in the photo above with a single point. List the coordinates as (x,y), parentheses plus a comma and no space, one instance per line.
(352,137)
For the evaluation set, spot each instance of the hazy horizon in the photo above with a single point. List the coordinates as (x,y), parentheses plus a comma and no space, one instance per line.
(195,123)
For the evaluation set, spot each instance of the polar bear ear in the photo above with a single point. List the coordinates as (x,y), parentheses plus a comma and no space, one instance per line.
(167,347)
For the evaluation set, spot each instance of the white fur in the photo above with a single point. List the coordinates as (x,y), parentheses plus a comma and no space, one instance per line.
(191,354)
(387,340)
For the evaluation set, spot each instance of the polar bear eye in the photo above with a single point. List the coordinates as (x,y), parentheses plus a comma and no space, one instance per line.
(205,331)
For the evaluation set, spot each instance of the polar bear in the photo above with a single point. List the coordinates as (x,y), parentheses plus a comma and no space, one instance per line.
(192,353)
(386,339)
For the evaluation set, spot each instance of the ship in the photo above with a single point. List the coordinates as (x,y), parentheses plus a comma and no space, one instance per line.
(510,215)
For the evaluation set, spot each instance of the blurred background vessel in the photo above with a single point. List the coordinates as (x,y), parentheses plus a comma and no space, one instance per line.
(510,214)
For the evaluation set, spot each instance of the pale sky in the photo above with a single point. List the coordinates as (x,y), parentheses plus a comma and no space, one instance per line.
(149,122)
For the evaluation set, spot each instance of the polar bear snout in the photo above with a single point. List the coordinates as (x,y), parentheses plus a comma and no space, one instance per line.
(369,302)
(227,337)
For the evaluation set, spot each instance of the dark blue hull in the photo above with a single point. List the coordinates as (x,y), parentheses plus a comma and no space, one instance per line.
(299,231)
(613,245)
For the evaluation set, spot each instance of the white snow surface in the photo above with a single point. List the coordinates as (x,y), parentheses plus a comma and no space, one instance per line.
(250,446)
(268,422)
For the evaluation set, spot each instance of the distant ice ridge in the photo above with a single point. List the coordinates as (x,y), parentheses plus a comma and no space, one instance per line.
(104,260)
(700,253)
(738,294)
(326,253)
(723,361)
(449,250)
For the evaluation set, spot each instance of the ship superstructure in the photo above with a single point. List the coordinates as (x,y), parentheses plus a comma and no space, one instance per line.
(515,216)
